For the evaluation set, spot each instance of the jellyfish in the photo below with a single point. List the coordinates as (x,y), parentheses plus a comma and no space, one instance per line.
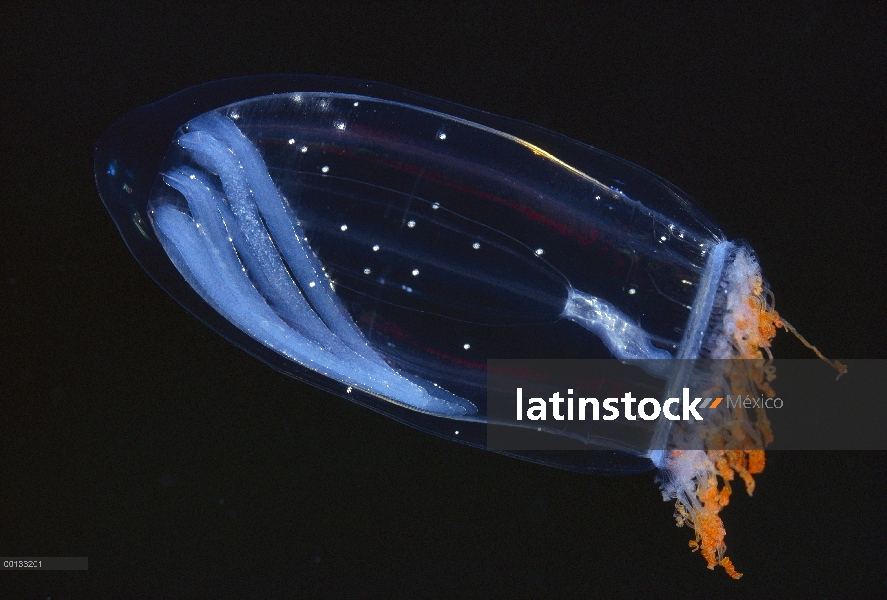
(384,245)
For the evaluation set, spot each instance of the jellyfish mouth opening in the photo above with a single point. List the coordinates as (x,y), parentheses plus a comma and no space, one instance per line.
(740,324)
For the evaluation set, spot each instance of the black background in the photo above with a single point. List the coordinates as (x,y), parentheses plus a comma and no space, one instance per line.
(184,468)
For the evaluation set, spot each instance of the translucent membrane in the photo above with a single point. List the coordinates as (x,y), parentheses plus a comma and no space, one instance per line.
(384,245)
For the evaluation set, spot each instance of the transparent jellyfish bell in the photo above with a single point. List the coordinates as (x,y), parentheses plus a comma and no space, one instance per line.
(398,241)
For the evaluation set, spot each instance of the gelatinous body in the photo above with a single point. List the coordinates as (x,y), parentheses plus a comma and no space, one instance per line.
(383,245)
